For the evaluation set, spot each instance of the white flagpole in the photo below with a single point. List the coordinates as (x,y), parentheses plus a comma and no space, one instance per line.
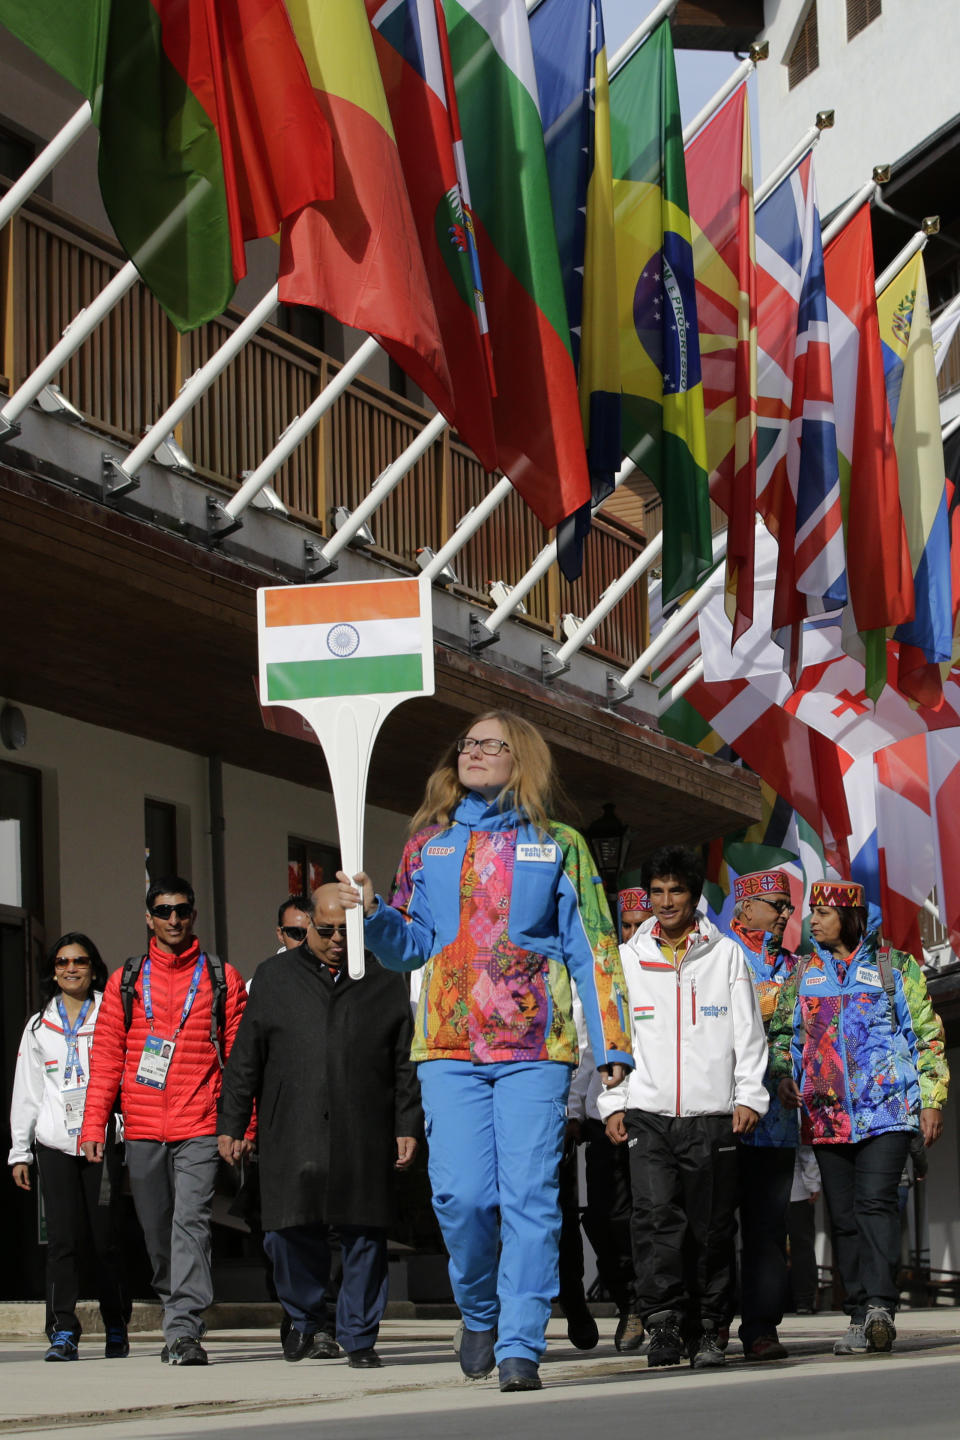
(864,196)
(555,662)
(680,664)
(298,429)
(694,674)
(743,71)
(951,428)
(916,242)
(64,139)
(468,526)
(645,28)
(811,137)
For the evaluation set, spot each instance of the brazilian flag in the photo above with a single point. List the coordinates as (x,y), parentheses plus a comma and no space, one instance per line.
(663,424)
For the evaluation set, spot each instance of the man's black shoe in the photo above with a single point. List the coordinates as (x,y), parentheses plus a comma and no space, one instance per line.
(364,1359)
(519,1373)
(666,1344)
(708,1352)
(116,1345)
(476,1353)
(187,1350)
(629,1334)
(309,1345)
(582,1328)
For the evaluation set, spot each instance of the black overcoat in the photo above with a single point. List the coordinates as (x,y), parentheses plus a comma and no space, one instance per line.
(328,1064)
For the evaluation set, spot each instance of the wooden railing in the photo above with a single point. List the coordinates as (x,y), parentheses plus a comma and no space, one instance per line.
(130,369)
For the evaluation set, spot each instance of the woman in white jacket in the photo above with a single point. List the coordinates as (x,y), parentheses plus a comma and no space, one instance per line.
(79,1198)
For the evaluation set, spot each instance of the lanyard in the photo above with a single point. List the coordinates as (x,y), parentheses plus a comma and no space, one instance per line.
(187,1004)
(71,1035)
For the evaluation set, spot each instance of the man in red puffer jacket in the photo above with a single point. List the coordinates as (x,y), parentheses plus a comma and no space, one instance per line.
(168,1071)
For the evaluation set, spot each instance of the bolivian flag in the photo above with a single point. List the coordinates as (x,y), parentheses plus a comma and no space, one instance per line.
(663,424)
(318,642)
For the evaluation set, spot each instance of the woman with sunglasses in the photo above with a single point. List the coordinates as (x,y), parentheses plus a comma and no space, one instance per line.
(857,1044)
(49,1089)
(503,907)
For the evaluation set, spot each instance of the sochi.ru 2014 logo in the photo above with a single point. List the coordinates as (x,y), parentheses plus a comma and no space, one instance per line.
(343,640)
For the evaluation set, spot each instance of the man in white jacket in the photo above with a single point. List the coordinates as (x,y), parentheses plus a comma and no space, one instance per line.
(701,1055)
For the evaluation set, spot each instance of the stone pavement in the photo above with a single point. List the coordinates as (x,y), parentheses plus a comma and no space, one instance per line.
(247,1375)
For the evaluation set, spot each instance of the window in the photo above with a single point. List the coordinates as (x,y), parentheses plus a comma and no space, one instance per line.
(16,153)
(309,865)
(804,55)
(160,839)
(860,14)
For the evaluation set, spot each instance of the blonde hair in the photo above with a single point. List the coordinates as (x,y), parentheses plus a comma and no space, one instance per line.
(531,786)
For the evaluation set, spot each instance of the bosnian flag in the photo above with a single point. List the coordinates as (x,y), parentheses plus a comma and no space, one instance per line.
(319,642)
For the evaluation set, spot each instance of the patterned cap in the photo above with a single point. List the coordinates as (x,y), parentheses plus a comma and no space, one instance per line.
(762,884)
(838,893)
(633,899)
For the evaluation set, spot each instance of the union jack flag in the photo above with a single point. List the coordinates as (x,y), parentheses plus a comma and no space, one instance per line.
(798,475)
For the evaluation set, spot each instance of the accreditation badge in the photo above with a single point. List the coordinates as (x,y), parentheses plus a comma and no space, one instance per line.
(72,1097)
(155,1061)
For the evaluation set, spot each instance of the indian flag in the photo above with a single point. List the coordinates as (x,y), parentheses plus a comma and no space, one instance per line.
(362,638)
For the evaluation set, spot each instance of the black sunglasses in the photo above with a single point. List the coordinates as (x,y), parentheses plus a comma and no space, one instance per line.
(183,911)
(326,932)
(295,932)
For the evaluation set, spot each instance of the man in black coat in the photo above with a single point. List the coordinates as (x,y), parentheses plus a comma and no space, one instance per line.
(327,1060)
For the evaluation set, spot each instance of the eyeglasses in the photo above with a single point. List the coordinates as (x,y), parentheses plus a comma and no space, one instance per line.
(470,743)
(782,907)
(183,911)
(62,961)
(327,932)
(295,932)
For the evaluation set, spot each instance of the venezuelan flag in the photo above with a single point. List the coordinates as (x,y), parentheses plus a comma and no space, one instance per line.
(663,420)
(910,372)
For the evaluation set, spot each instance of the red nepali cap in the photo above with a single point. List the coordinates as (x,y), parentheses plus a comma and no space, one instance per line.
(838,893)
(761,883)
(633,899)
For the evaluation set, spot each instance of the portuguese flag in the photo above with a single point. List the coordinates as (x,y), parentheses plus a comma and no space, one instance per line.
(210,134)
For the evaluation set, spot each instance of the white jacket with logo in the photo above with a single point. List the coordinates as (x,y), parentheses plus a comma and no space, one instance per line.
(36,1111)
(698,1040)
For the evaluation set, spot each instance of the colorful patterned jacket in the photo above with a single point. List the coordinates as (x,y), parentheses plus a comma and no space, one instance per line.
(502,916)
(770,968)
(863,1066)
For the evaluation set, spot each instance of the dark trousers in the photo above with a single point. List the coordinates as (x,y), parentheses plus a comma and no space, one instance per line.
(571,1294)
(81,1199)
(606,1219)
(765,1179)
(802,1233)
(683,1173)
(860,1187)
(301,1260)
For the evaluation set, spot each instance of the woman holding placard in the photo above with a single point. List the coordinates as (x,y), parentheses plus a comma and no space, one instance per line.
(46,1115)
(503,907)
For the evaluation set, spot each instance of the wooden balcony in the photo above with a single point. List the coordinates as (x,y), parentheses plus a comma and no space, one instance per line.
(130,369)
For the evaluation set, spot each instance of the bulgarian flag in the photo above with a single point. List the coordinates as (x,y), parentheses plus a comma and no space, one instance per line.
(358,256)
(318,642)
(210,134)
(536,411)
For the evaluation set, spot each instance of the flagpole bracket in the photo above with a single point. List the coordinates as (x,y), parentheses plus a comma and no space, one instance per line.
(220,523)
(616,692)
(479,637)
(114,480)
(315,564)
(551,666)
(9,429)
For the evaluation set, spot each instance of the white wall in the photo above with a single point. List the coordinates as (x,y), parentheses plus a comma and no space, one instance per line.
(943,1184)
(95,782)
(891,86)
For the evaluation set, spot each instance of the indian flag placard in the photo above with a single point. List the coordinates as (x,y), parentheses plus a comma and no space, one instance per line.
(320,642)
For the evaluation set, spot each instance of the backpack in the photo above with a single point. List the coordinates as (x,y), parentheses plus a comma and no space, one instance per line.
(218,1010)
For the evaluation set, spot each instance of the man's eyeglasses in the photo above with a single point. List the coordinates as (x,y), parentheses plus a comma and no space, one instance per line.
(294,932)
(486,747)
(82,962)
(327,932)
(183,911)
(782,907)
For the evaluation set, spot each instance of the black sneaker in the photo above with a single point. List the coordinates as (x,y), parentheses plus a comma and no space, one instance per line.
(708,1352)
(187,1350)
(63,1346)
(666,1344)
(117,1346)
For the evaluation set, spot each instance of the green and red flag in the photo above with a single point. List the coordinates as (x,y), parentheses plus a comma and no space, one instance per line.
(210,134)
(536,410)
(720,187)
(358,256)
